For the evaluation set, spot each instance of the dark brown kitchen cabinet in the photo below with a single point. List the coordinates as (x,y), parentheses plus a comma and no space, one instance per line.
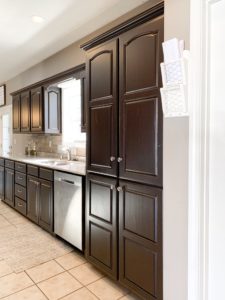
(2,183)
(16,113)
(40,202)
(46,205)
(140,238)
(25,111)
(37,120)
(9,186)
(83,104)
(53,110)
(124,142)
(33,198)
(102,70)
(140,147)
(101,223)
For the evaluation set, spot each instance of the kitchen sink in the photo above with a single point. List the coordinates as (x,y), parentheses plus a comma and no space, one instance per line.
(58,162)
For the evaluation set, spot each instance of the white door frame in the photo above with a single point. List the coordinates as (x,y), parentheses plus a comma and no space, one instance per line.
(198,285)
(6,110)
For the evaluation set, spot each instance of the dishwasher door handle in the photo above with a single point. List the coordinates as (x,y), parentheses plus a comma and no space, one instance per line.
(67,181)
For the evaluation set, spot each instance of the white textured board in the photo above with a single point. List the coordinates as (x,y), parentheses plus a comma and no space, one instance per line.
(174,101)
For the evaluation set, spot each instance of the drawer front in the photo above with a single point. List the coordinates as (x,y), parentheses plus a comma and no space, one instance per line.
(20,167)
(46,174)
(21,206)
(2,162)
(21,178)
(9,164)
(20,192)
(32,170)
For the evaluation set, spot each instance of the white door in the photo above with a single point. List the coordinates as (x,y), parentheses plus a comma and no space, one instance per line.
(6,130)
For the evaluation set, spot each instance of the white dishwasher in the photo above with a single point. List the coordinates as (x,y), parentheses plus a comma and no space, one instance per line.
(68,208)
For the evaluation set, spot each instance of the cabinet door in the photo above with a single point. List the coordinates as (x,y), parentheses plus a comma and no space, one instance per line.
(140,148)
(46,205)
(33,198)
(37,110)
(53,110)
(140,239)
(83,104)
(16,113)
(101,223)
(9,186)
(25,111)
(2,183)
(102,70)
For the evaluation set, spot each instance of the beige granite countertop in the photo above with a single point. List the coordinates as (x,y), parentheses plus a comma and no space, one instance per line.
(75,167)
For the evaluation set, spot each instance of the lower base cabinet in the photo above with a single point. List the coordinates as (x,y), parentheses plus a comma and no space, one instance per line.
(130,213)
(40,202)
(2,182)
(101,223)
(9,186)
(140,239)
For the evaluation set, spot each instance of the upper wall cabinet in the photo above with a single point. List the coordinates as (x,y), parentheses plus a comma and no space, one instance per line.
(102,70)
(16,113)
(37,111)
(25,111)
(140,128)
(53,110)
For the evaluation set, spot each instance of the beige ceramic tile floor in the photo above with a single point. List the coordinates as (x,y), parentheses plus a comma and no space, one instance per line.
(69,277)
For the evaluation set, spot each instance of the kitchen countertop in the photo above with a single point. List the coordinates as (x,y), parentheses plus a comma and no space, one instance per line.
(74,167)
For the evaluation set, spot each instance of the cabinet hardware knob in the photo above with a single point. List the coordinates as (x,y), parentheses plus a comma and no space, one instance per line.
(112,187)
(112,158)
(119,189)
(119,159)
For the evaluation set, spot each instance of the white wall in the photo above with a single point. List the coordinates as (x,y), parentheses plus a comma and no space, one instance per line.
(217,153)
(175,174)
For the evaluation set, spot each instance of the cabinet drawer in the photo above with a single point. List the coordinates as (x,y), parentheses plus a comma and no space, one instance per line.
(21,206)
(9,164)
(20,167)
(20,191)
(46,174)
(2,162)
(21,178)
(32,170)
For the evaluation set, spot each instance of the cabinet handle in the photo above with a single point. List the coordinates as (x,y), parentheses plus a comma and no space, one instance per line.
(19,204)
(19,191)
(112,187)
(112,158)
(20,178)
(20,167)
(119,159)
(35,182)
(119,188)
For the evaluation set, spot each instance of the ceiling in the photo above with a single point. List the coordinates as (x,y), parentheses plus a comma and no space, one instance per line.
(24,43)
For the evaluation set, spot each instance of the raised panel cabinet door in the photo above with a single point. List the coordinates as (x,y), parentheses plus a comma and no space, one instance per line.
(101,223)
(33,189)
(46,205)
(16,113)
(25,111)
(53,110)
(9,186)
(2,183)
(140,239)
(37,110)
(102,95)
(140,129)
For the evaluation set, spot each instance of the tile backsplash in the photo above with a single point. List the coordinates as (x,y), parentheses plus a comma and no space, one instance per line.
(48,145)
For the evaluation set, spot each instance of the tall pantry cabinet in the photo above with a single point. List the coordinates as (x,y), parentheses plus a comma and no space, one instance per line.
(124,157)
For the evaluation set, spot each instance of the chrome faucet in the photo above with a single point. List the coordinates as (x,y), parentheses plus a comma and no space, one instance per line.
(69,155)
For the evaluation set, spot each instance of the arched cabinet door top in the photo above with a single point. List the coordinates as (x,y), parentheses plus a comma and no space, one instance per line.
(140,57)
(102,70)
